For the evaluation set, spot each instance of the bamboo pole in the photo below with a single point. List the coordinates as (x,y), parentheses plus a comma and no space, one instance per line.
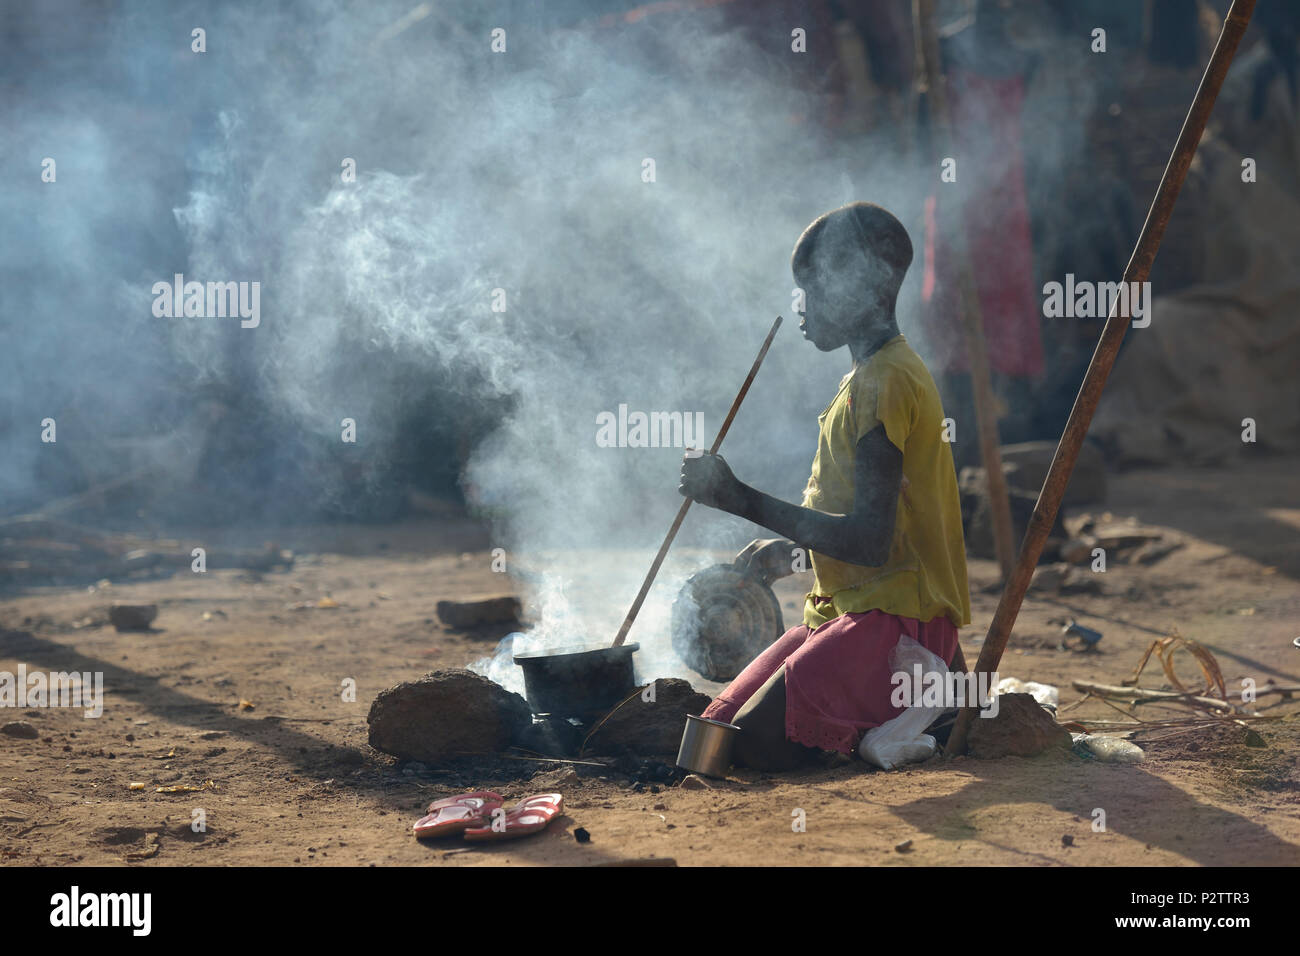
(1103,358)
(986,419)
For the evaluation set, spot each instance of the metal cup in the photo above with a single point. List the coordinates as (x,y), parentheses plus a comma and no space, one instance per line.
(706,746)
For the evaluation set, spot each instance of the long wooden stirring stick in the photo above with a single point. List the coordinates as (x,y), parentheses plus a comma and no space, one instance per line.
(686,505)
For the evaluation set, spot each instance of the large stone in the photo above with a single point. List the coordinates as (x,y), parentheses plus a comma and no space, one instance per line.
(20,729)
(1026,467)
(977,516)
(650,727)
(446,713)
(1022,728)
(466,614)
(132,617)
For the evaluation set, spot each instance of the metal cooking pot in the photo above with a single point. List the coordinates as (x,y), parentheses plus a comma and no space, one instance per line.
(722,619)
(577,681)
(706,746)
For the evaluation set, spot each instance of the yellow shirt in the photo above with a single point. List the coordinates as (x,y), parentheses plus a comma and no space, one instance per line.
(925,575)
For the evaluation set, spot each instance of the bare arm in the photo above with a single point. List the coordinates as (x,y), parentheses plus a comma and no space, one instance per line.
(862,537)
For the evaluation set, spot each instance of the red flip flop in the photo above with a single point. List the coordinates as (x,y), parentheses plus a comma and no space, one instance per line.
(454,814)
(528,816)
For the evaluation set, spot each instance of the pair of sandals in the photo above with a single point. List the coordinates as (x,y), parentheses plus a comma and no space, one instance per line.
(480,817)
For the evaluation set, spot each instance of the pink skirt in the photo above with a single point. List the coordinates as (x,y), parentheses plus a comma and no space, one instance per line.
(837,678)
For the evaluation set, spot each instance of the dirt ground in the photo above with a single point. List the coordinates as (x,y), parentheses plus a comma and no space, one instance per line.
(292,779)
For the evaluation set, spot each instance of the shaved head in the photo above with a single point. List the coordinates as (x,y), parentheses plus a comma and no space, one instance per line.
(861,238)
(851,263)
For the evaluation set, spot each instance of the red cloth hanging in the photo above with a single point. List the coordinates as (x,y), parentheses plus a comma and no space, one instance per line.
(990,185)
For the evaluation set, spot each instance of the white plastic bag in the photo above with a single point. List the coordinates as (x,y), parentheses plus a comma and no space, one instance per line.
(903,739)
(1110,749)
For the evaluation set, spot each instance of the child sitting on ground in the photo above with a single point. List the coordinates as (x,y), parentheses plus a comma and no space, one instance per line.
(880,518)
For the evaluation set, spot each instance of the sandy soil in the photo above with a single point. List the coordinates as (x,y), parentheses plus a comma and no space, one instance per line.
(293,781)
